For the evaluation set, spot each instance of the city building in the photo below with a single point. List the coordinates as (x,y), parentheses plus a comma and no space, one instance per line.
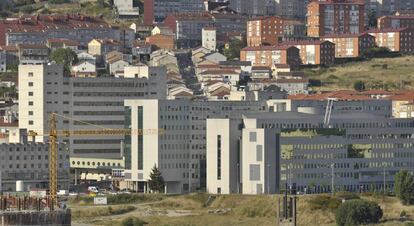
(29,162)
(396,21)
(271,30)
(155,11)
(353,143)
(209,38)
(161,41)
(84,69)
(291,8)
(387,7)
(95,103)
(350,45)
(188,27)
(253,7)
(36,29)
(126,8)
(33,54)
(395,39)
(314,52)
(100,47)
(56,43)
(180,150)
(270,55)
(335,17)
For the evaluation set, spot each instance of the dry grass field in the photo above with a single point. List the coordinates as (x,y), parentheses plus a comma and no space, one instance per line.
(378,73)
(190,210)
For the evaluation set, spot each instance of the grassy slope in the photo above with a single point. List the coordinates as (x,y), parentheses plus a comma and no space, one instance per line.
(372,72)
(249,210)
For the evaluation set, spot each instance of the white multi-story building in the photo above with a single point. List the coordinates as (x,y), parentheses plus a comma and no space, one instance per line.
(95,103)
(180,151)
(209,38)
(357,150)
(126,8)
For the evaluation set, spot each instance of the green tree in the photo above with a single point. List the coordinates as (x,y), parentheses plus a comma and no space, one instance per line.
(65,57)
(156,181)
(233,50)
(359,86)
(404,187)
(357,212)
(372,18)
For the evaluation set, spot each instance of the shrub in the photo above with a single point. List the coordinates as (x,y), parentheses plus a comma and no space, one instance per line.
(346,195)
(404,187)
(324,202)
(133,198)
(133,221)
(357,212)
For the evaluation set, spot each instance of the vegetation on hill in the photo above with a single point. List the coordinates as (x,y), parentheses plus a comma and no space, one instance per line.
(378,73)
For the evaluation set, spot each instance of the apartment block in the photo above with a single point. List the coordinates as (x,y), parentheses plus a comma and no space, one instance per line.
(395,39)
(291,8)
(350,45)
(94,102)
(271,30)
(126,8)
(335,17)
(155,11)
(37,29)
(396,21)
(29,162)
(180,151)
(270,55)
(253,7)
(209,35)
(188,26)
(314,52)
(387,7)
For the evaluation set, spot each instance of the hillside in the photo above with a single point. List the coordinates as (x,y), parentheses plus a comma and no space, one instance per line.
(233,210)
(379,73)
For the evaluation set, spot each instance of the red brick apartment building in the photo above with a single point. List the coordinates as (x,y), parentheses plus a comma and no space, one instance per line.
(395,39)
(270,29)
(270,55)
(314,52)
(335,17)
(404,21)
(350,45)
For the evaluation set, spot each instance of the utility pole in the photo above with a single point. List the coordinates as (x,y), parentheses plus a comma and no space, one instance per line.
(268,179)
(383,167)
(333,179)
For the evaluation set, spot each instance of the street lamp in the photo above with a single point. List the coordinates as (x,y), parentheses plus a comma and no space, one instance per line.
(268,179)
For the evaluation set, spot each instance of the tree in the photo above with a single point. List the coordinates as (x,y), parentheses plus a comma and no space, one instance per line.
(404,187)
(359,86)
(357,212)
(65,57)
(372,18)
(233,50)
(156,181)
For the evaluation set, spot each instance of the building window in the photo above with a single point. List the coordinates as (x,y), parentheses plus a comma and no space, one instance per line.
(30,94)
(259,153)
(218,157)
(30,122)
(140,138)
(30,112)
(30,74)
(30,103)
(254,172)
(30,84)
(252,136)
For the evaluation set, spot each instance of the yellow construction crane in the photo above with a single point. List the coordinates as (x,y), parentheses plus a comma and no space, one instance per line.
(54,134)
